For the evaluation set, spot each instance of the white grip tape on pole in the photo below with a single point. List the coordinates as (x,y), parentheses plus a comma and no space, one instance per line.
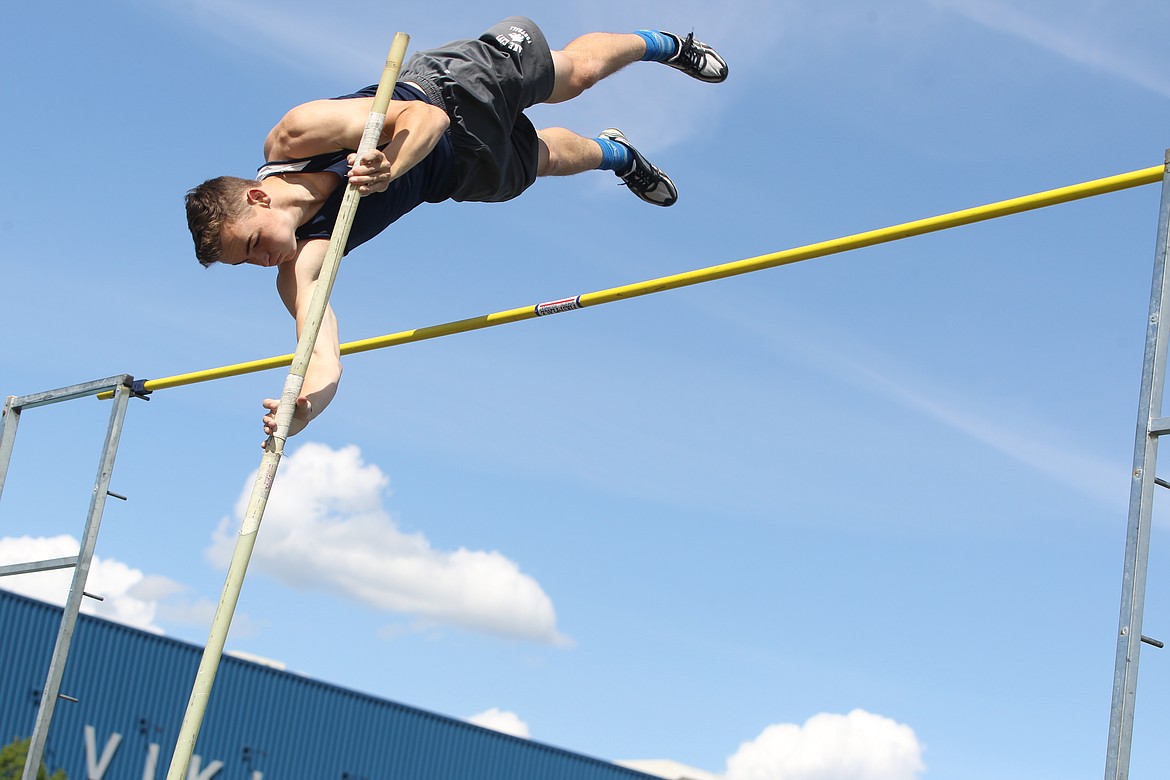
(260,492)
(288,402)
(375,124)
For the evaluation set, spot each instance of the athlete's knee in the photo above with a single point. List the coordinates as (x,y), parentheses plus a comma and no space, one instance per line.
(543,155)
(575,70)
(587,71)
(564,153)
(550,154)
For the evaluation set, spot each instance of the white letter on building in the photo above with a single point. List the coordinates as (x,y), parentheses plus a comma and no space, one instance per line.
(95,769)
(194,772)
(151,762)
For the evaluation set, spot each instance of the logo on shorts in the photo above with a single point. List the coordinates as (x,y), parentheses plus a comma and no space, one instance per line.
(515,40)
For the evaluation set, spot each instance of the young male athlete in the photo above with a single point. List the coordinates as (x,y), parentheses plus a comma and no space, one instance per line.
(454,130)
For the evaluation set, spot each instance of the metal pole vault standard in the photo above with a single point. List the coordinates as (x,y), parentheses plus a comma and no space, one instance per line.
(1150,427)
(201,692)
(81,562)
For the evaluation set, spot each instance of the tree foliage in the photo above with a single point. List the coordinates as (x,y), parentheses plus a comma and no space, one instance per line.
(12,757)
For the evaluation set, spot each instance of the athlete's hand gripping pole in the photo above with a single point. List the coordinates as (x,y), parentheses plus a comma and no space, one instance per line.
(197,705)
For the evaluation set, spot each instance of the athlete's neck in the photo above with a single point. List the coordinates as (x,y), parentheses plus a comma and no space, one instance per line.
(301,194)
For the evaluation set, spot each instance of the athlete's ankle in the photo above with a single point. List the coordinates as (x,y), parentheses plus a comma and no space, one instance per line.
(659,46)
(614,156)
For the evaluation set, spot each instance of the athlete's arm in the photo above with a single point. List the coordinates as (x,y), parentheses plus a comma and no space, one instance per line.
(295,282)
(410,132)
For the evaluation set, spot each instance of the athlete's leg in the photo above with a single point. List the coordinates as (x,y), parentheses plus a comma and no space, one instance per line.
(564,153)
(589,59)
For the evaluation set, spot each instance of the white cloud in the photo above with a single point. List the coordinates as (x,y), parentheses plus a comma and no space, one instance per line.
(667,768)
(1016,435)
(857,746)
(325,528)
(1022,439)
(502,721)
(1078,37)
(291,35)
(130,596)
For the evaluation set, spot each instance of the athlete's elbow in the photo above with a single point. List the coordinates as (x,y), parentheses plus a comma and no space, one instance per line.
(429,118)
(441,120)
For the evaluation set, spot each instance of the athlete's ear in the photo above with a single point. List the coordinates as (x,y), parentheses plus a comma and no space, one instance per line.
(257,196)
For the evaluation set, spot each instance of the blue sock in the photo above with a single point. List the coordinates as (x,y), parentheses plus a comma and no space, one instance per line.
(659,47)
(614,156)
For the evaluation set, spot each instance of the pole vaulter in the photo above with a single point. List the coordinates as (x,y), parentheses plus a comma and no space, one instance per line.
(213,652)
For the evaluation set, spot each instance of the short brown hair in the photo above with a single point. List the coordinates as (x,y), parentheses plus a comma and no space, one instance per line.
(210,206)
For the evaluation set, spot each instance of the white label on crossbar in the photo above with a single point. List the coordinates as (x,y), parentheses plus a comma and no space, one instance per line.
(556,307)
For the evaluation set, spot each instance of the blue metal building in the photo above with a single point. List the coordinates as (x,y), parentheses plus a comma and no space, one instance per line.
(132,688)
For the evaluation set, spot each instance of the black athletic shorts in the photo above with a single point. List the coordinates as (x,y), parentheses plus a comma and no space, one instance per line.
(484,86)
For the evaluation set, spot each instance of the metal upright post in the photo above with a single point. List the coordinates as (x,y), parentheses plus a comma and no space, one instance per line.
(1150,425)
(122,392)
(8,436)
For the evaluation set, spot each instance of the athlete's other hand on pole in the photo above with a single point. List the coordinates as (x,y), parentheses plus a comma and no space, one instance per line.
(371,173)
(300,418)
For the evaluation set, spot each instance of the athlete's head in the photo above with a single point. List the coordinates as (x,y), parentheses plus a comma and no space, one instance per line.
(233,221)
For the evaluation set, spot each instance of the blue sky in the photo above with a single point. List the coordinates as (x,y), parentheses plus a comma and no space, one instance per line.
(880,494)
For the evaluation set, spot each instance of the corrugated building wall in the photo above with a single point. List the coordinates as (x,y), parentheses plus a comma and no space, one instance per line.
(261,723)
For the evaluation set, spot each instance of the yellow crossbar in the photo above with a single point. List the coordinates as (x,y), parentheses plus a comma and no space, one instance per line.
(1003,208)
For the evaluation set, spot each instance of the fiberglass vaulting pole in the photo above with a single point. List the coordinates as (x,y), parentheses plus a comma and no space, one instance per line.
(201,692)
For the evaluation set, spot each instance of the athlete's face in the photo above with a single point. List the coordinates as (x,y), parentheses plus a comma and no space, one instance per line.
(264,236)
